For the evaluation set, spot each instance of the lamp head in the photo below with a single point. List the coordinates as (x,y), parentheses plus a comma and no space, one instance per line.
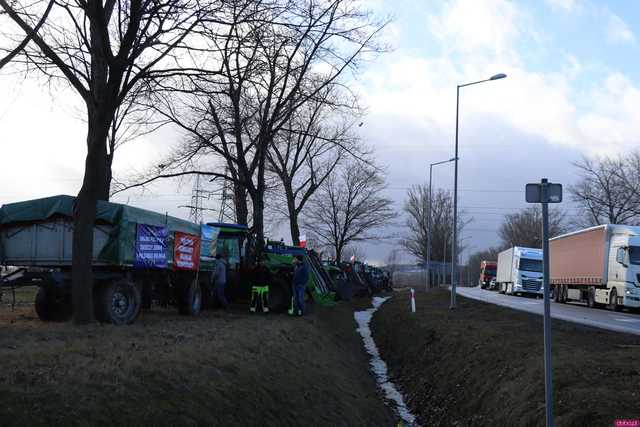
(498,76)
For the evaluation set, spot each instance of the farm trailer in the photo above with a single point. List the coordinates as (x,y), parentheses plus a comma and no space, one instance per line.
(138,255)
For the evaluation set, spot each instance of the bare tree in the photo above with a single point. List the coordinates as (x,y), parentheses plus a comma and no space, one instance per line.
(305,153)
(391,263)
(11,53)
(349,208)
(606,191)
(105,51)
(416,207)
(274,56)
(524,228)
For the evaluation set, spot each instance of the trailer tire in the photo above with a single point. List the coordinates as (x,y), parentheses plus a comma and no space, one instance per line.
(119,302)
(279,296)
(51,306)
(191,301)
(613,300)
(591,298)
(556,293)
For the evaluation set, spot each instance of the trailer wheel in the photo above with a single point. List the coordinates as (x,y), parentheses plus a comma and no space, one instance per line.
(613,300)
(591,298)
(119,302)
(279,296)
(52,306)
(191,301)
(564,297)
(556,293)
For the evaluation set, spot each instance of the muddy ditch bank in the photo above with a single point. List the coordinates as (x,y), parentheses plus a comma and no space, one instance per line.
(482,365)
(170,370)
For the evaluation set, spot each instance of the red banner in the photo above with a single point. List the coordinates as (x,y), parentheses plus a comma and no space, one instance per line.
(186,251)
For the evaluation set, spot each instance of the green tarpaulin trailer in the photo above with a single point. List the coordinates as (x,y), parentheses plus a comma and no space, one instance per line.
(39,232)
(37,235)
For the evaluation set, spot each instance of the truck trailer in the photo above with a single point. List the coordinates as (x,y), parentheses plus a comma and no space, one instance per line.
(520,271)
(598,265)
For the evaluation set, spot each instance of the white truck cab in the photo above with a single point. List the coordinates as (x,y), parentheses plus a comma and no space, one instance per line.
(623,276)
(520,271)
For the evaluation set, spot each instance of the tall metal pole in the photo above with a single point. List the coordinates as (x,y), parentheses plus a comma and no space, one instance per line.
(454,248)
(548,385)
(428,284)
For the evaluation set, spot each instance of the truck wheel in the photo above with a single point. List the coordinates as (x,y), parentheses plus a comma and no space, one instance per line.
(119,302)
(556,293)
(613,300)
(52,306)
(279,296)
(591,298)
(191,301)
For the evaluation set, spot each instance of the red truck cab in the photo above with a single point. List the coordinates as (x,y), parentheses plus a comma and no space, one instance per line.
(487,273)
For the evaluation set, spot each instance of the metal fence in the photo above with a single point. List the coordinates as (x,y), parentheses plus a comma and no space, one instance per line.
(440,276)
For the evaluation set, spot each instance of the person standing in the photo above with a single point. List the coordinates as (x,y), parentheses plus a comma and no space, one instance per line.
(300,279)
(220,278)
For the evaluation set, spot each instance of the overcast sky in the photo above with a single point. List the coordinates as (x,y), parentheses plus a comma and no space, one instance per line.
(572,90)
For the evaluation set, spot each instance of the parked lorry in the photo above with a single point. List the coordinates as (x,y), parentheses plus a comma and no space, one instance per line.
(598,265)
(520,271)
(487,273)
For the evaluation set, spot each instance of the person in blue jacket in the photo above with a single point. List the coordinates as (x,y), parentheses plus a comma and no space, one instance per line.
(300,279)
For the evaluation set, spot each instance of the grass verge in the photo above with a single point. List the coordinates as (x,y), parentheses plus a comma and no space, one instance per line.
(482,365)
(169,370)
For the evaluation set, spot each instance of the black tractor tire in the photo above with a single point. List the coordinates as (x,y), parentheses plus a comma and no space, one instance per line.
(118,302)
(191,299)
(52,306)
(279,296)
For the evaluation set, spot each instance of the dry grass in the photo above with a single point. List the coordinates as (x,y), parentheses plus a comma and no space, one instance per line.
(173,370)
(483,365)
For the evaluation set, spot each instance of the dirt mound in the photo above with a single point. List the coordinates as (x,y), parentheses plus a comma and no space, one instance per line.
(482,365)
(167,369)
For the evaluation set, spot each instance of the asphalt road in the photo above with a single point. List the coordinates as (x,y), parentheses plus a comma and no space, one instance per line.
(572,312)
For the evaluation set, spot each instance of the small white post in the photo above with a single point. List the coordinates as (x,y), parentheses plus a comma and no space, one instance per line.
(413,301)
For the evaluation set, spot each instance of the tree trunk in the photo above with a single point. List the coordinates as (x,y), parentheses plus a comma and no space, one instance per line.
(338,254)
(293,215)
(84,216)
(258,223)
(240,204)
(104,190)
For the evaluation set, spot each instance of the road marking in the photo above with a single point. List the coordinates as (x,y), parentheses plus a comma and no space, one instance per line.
(620,319)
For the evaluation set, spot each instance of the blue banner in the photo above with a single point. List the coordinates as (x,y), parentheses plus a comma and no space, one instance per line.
(209,241)
(151,246)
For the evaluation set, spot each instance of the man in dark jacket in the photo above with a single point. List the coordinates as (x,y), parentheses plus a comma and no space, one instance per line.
(300,279)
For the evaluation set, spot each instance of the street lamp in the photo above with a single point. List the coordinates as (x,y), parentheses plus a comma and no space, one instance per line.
(428,283)
(454,251)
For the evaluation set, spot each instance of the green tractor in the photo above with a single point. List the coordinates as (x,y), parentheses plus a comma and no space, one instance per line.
(274,271)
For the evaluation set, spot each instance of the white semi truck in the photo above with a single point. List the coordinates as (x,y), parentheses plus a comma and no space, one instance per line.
(520,271)
(598,265)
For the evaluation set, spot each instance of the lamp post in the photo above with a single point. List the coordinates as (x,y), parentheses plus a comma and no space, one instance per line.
(454,251)
(428,282)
